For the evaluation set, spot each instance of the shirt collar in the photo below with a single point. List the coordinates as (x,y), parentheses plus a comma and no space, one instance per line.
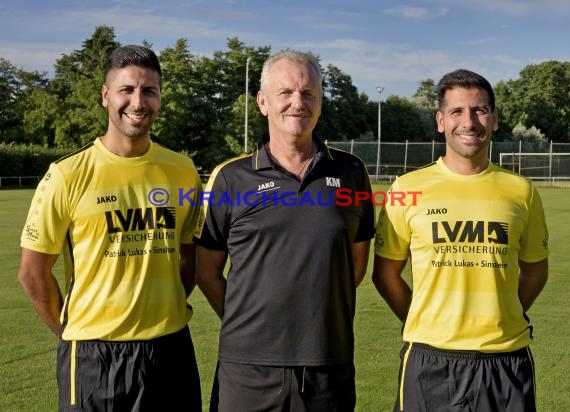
(260,159)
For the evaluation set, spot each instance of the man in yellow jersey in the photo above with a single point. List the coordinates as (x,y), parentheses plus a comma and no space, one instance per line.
(478,244)
(113,210)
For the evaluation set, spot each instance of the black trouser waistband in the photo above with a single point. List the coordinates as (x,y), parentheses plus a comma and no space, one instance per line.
(466,354)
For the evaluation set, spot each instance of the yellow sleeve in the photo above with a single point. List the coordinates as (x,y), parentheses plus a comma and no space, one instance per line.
(49,216)
(393,233)
(534,242)
(189,225)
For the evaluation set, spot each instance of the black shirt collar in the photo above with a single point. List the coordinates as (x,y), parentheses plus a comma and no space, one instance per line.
(260,159)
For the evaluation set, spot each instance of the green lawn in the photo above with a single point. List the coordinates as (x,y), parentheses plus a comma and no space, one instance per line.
(27,347)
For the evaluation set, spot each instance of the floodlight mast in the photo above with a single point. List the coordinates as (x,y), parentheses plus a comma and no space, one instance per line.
(379,89)
(246,101)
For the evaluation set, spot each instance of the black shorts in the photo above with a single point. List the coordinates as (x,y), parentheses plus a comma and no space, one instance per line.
(152,375)
(442,380)
(276,388)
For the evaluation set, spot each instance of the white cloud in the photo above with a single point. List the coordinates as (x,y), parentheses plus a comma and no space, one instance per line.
(33,56)
(408,12)
(558,9)
(415,12)
(483,41)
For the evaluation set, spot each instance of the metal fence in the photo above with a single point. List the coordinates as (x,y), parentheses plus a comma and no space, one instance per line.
(387,160)
(19,181)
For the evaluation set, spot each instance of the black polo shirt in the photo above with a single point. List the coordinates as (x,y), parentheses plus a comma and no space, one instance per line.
(290,295)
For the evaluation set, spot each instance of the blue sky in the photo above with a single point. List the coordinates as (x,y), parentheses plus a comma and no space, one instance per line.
(390,43)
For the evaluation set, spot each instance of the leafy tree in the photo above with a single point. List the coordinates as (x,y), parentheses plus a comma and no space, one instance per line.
(400,120)
(77,82)
(185,121)
(370,109)
(344,115)
(504,102)
(10,116)
(547,98)
(16,88)
(256,125)
(532,134)
(540,98)
(220,81)
(425,102)
(229,72)
(43,108)
(425,96)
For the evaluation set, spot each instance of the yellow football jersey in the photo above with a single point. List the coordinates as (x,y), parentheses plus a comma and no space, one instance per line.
(119,223)
(465,236)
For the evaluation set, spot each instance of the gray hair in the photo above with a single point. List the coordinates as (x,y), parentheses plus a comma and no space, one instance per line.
(294,56)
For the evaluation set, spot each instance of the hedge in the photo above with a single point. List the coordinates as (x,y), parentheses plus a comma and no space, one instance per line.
(27,160)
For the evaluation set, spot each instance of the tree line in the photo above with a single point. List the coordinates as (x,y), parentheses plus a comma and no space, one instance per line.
(203,102)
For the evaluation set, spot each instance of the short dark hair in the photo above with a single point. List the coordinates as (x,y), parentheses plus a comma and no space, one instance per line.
(465,79)
(133,55)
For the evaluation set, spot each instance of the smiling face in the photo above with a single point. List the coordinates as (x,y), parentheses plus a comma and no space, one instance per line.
(131,96)
(467,121)
(291,99)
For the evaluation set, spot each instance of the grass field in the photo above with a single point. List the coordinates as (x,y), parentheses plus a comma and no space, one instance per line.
(27,347)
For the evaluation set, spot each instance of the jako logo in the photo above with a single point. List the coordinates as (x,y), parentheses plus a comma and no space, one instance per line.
(442,211)
(266,186)
(106,199)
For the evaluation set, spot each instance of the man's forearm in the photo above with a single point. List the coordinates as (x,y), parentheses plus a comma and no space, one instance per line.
(215,292)
(47,301)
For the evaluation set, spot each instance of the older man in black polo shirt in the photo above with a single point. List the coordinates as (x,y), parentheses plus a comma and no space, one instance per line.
(297,255)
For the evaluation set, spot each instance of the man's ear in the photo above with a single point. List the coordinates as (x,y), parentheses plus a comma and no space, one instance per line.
(439,121)
(262,103)
(104,93)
